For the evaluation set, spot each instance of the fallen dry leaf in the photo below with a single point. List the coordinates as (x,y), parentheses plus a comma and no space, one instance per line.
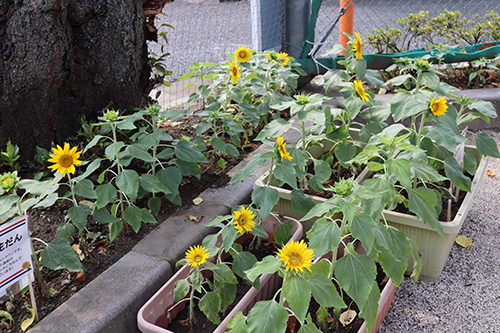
(80,276)
(27,323)
(463,241)
(183,322)
(490,172)
(86,202)
(78,251)
(197,201)
(99,243)
(347,317)
(382,91)
(193,218)
(101,250)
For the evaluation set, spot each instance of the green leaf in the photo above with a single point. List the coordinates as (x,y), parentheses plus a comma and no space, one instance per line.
(154,204)
(106,193)
(321,267)
(268,265)
(103,216)
(114,229)
(181,289)
(257,161)
(378,112)
(395,261)
(171,177)
(140,152)
(345,152)
(485,107)
(78,215)
(424,171)
(318,210)
(267,316)
(370,309)
(133,216)
(470,163)
(423,202)
(454,172)
(430,80)
(60,255)
(401,170)
(128,182)
(324,236)
(300,202)
(275,128)
(325,292)
(297,292)
(210,304)
(362,227)
(442,135)
(242,262)
(85,188)
(152,184)
(309,328)
(285,172)
(227,292)
(353,106)
(356,274)
(265,198)
(238,323)
(417,260)
(113,149)
(229,235)
(283,232)
(147,217)
(487,145)
(222,272)
(65,230)
(187,152)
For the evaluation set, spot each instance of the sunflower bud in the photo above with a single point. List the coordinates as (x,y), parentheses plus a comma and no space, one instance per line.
(344,187)
(110,115)
(8,180)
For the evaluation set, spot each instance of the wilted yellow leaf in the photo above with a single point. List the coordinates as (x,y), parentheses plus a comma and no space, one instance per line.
(347,317)
(7,316)
(464,241)
(382,91)
(490,172)
(27,323)
(463,51)
(197,201)
(78,251)
(193,218)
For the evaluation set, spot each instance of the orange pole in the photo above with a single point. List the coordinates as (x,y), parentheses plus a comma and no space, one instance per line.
(346,23)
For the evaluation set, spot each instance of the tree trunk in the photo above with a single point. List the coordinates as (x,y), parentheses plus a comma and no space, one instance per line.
(64,58)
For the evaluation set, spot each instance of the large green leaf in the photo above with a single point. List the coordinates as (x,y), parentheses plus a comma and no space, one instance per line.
(113,149)
(401,170)
(171,177)
(395,260)
(454,172)
(356,274)
(106,193)
(301,202)
(345,152)
(181,289)
(424,171)
(286,173)
(140,152)
(60,255)
(378,112)
(370,309)
(78,215)
(152,184)
(257,161)
(128,182)
(227,292)
(361,228)
(283,232)
(423,202)
(297,292)
(487,145)
(114,229)
(238,324)
(485,107)
(133,216)
(430,80)
(442,135)
(318,210)
(222,272)
(324,236)
(268,265)
(265,198)
(210,304)
(275,128)
(229,234)
(186,151)
(85,188)
(103,216)
(267,316)
(243,261)
(325,292)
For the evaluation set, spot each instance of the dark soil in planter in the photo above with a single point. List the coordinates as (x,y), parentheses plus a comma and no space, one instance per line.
(334,325)
(202,323)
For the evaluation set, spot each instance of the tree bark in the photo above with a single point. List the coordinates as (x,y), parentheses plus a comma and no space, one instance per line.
(64,58)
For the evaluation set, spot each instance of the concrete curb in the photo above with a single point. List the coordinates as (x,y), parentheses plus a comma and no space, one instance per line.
(111,301)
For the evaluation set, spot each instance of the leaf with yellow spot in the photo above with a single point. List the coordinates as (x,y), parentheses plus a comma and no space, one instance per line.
(463,241)
(28,322)
(347,317)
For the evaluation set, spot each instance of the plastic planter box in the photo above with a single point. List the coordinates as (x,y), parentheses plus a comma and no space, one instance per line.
(152,317)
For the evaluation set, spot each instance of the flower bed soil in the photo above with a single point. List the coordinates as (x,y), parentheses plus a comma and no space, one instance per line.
(99,254)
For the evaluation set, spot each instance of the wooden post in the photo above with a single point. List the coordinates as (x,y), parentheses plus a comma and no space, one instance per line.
(346,23)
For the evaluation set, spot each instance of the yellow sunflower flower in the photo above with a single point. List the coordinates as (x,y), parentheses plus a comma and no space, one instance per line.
(235,71)
(243,220)
(282,149)
(361,92)
(438,106)
(356,47)
(64,159)
(296,256)
(197,255)
(283,58)
(243,54)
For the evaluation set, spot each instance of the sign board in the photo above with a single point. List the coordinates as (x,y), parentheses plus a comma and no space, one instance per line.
(15,254)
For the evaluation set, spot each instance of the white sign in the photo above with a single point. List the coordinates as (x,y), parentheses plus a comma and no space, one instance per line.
(15,254)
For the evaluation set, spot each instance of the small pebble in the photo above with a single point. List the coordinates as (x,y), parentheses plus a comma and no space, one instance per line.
(65,282)
(9,307)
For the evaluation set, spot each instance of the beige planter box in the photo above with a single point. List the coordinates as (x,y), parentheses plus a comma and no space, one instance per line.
(433,248)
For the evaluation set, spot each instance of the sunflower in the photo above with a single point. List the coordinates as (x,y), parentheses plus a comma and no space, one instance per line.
(438,106)
(243,220)
(282,149)
(356,47)
(361,92)
(243,54)
(283,58)
(64,159)
(196,255)
(296,256)
(235,71)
